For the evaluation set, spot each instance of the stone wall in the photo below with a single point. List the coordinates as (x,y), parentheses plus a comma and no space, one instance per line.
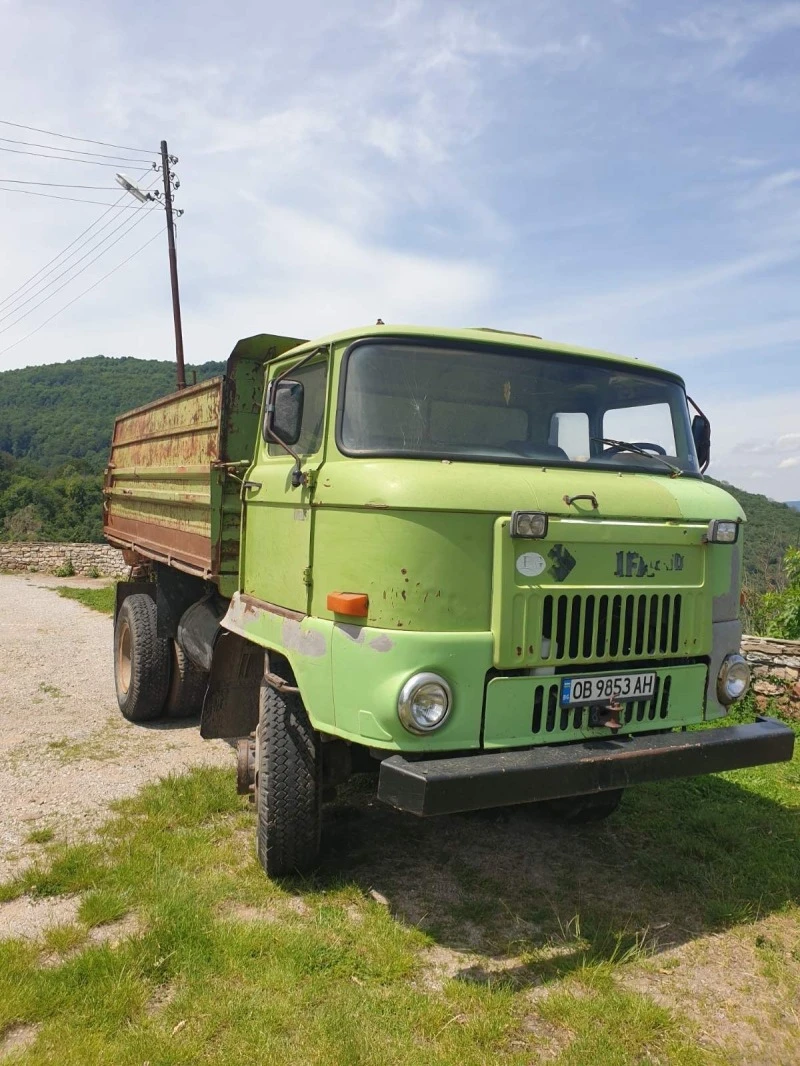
(776,671)
(33,557)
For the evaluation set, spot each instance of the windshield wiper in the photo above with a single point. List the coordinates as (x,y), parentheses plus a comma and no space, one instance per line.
(627,446)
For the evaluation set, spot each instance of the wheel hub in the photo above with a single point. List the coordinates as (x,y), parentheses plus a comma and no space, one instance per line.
(124,657)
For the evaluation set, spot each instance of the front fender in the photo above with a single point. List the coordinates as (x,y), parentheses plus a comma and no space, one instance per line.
(350,676)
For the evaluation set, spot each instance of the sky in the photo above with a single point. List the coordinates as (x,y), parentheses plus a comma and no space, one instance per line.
(623,174)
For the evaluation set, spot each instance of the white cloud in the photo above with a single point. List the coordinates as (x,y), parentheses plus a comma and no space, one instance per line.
(735,25)
(789,441)
(743,427)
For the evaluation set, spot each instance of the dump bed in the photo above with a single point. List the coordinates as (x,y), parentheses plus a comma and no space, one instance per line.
(172,486)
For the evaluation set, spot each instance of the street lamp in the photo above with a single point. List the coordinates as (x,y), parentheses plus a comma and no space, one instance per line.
(133,189)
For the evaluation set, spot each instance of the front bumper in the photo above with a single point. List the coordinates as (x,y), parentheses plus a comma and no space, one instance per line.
(497,779)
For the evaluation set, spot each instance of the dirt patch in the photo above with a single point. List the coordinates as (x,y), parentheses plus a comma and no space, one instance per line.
(65,750)
(275,911)
(30,918)
(548,1040)
(17,1039)
(441,964)
(161,998)
(114,933)
(354,913)
(738,987)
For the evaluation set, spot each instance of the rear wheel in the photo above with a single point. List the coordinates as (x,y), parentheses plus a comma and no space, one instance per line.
(288,784)
(577,810)
(141,660)
(187,687)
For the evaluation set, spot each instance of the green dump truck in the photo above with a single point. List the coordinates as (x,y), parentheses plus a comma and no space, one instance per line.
(483,565)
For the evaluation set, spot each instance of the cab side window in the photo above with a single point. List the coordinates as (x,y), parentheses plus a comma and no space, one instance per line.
(312,426)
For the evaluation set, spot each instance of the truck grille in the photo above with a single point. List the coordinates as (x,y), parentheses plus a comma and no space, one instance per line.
(548,717)
(585,627)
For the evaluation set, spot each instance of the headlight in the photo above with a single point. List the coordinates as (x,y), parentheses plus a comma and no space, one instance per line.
(733,679)
(424,703)
(722,532)
(529,524)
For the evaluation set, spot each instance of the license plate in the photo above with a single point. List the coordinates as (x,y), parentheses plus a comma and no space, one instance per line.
(580,691)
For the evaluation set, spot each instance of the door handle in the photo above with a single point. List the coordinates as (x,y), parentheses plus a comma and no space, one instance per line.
(251,485)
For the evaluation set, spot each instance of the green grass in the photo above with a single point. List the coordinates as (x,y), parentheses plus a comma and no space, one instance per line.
(225,965)
(99,745)
(40,836)
(101,599)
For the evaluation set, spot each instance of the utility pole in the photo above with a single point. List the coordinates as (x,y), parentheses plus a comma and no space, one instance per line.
(173,265)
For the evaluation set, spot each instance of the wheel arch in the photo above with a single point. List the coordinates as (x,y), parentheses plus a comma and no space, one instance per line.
(251,630)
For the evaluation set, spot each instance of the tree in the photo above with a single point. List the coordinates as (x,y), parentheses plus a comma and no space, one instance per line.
(24,524)
(783,608)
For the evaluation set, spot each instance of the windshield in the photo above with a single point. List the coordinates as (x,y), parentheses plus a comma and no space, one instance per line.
(505,406)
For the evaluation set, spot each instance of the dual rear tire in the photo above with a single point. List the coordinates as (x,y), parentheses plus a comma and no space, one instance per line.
(154,677)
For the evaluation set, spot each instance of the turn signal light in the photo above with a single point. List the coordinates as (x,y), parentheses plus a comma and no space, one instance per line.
(356,604)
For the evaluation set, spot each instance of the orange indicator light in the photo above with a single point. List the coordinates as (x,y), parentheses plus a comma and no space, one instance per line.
(356,604)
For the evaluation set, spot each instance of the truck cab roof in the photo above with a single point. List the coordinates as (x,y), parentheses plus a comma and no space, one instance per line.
(477,335)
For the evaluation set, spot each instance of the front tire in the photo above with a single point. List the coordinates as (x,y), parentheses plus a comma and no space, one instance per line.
(578,810)
(288,784)
(141,660)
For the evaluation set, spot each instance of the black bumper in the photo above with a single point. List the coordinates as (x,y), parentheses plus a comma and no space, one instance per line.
(496,779)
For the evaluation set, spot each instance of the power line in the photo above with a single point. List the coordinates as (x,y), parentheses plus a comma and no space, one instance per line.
(74,151)
(55,259)
(66,158)
(71,199)
(56,184)
(38,290)
(69,281)
(66,137)
(44,273)
(82,294)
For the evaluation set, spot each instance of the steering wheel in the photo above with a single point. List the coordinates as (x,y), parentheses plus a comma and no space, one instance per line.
(615,449)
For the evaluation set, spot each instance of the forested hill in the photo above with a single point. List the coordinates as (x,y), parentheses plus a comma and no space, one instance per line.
(771,529)
(64,412)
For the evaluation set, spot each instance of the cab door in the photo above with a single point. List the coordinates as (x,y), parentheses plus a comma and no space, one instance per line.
(277,517)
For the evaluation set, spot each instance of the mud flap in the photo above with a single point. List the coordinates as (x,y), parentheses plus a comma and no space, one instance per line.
(230,708)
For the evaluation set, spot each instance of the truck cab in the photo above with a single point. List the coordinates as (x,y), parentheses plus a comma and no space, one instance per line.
(485,564)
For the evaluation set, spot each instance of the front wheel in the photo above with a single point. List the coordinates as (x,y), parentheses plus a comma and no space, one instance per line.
(577,810)
(288,784)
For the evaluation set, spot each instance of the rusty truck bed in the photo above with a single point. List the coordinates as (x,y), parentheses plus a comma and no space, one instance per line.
(172,485)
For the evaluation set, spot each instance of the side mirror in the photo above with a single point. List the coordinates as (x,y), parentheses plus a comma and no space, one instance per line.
(701,432)
(285,410)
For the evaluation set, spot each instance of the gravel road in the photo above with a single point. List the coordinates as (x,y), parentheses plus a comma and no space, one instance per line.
(65,750)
